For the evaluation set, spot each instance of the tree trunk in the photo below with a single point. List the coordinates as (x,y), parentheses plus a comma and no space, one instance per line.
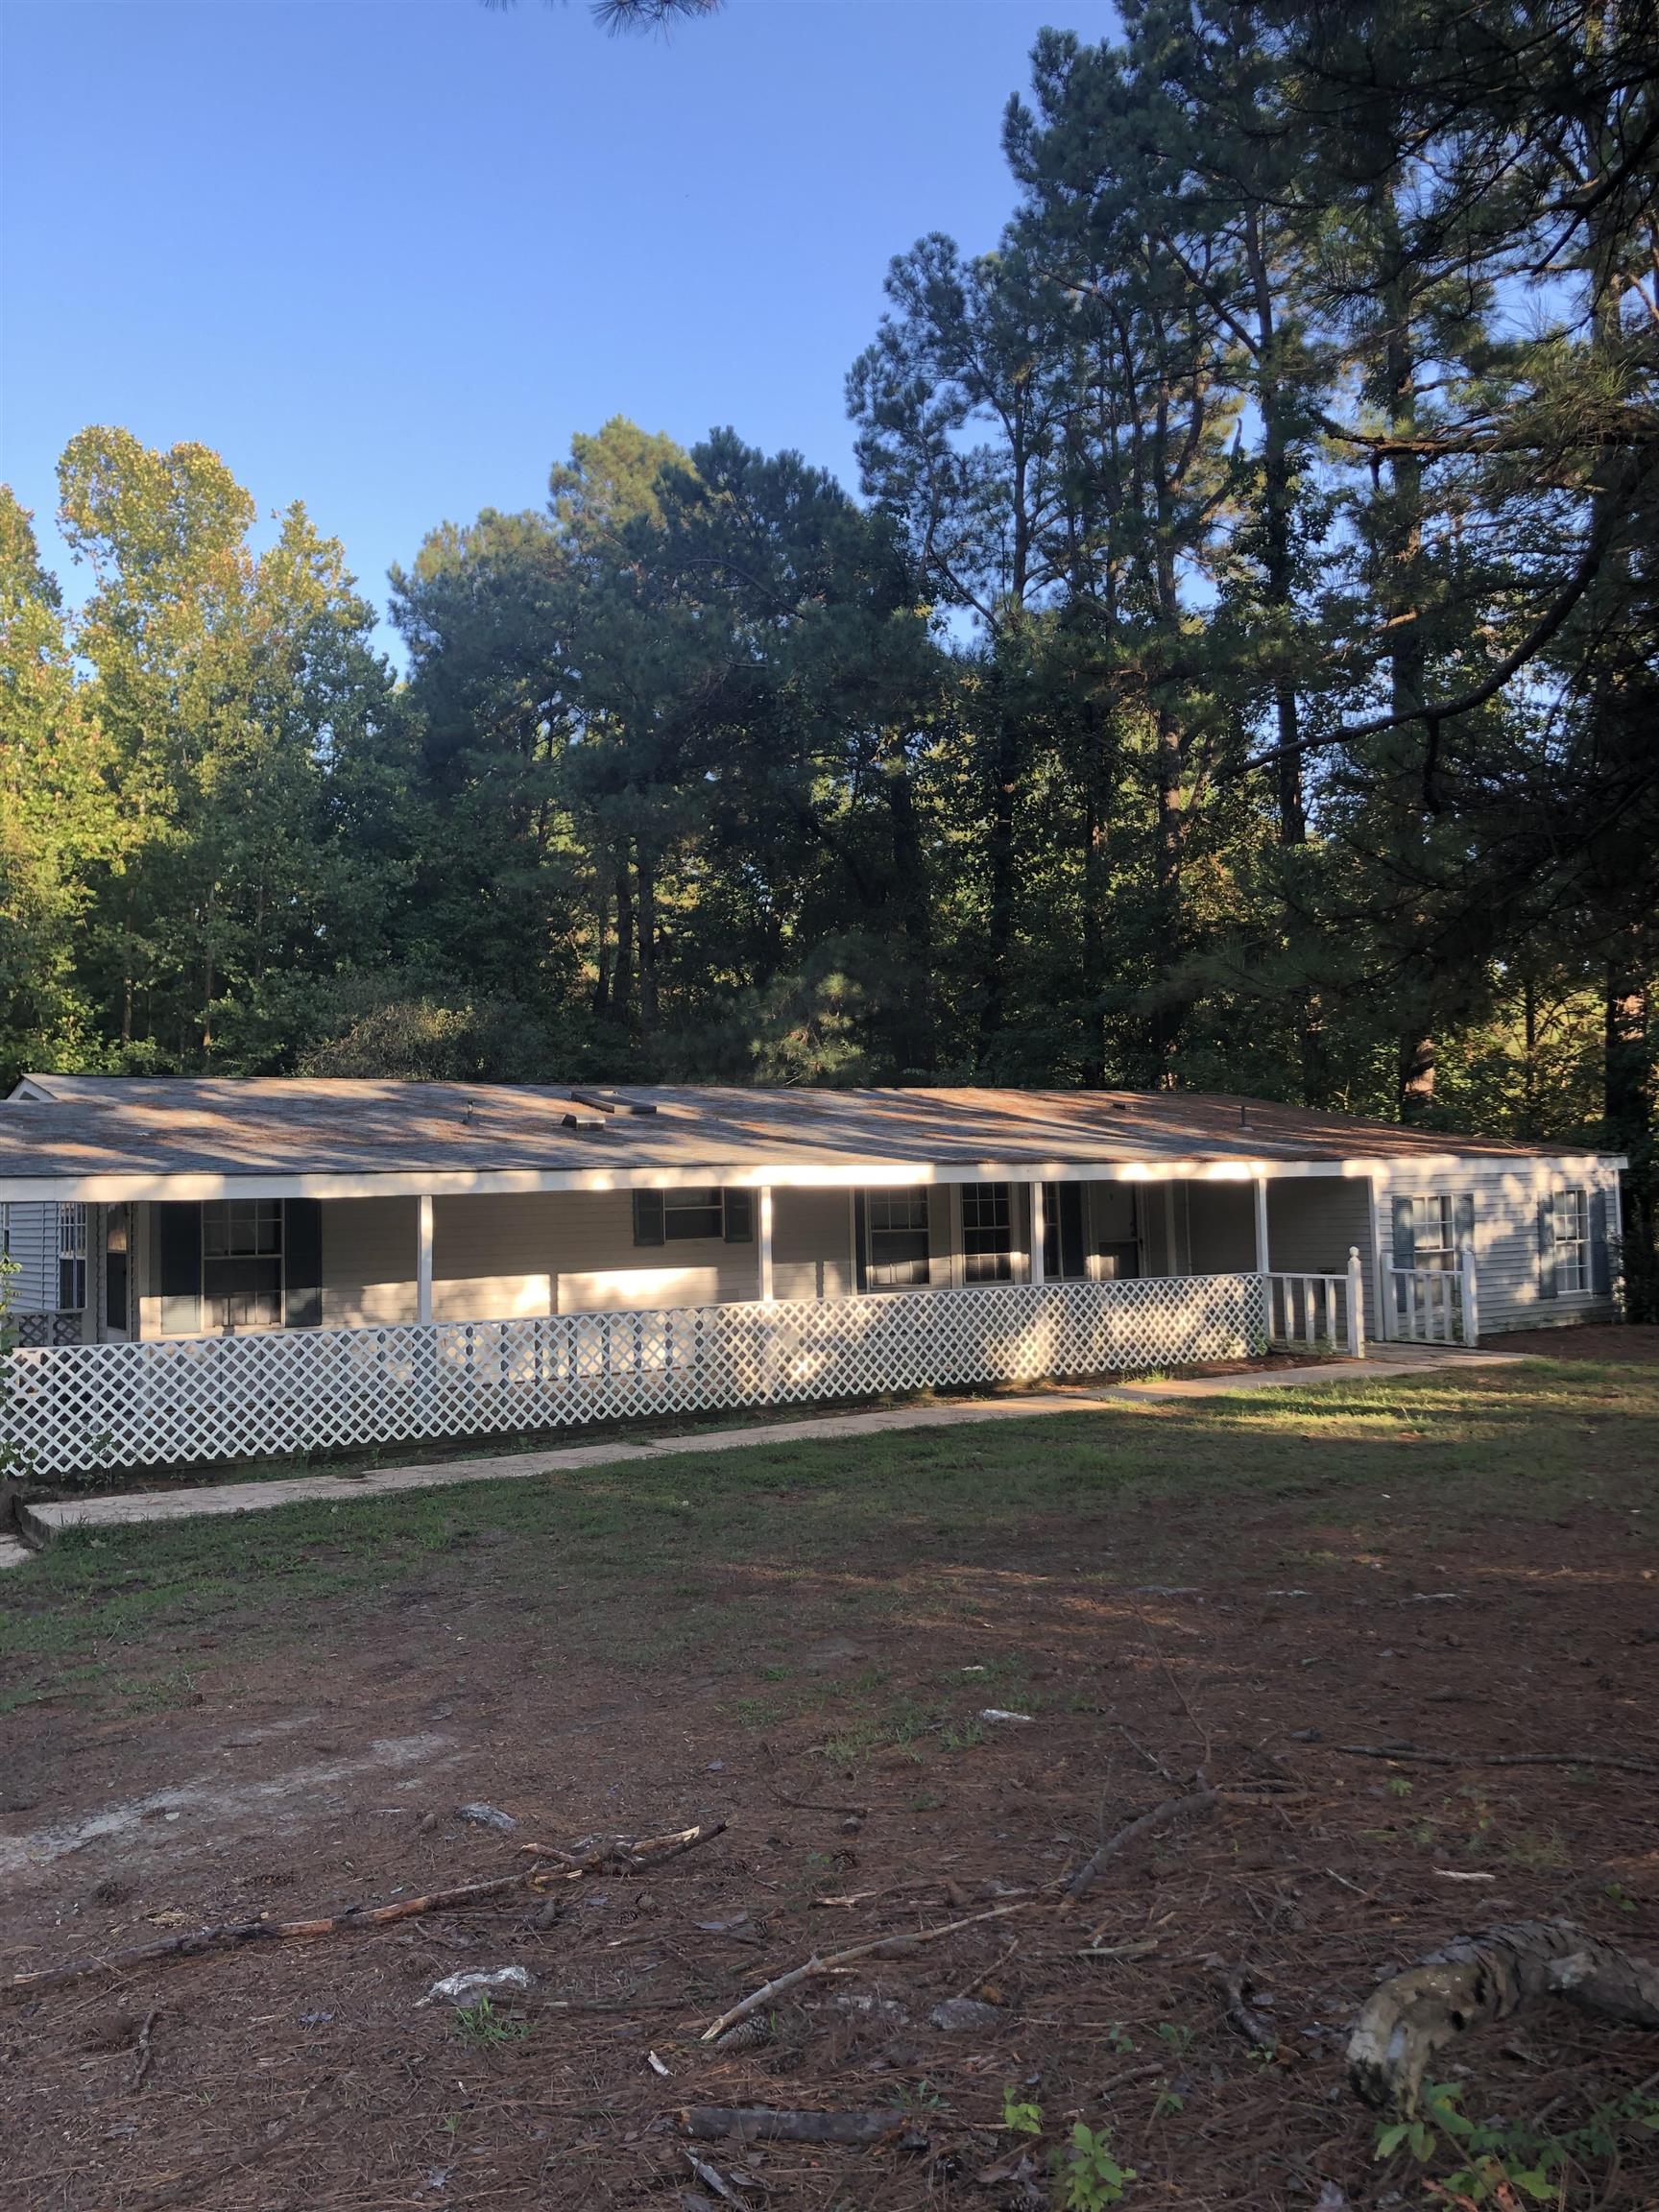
(1097,802)
(602,949)
(1627,1108)
(1480,1980)
(916,1048)
(1416,1076)
(1003,782)
(622,982)
(646,871)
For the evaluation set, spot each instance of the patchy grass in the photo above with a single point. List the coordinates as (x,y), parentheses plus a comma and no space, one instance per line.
(874,1528)
(285,1713)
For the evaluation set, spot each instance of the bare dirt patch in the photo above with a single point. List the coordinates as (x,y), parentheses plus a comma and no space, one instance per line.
(802,1644)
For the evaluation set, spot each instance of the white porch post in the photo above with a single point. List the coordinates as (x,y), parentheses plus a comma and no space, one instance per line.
(1039,1232)
(423,1260)
(763,1242)
(1471,1298)
(1356,1304)
(1262,1267)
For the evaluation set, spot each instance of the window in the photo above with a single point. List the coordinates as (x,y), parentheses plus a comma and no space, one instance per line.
(896,1238)
(987,1232)
(71,1259)
(1430,1231)
(242,1263)
(1065,1257)
(117,1236)
(683,1216)
(1436,1239)
(1572,1242)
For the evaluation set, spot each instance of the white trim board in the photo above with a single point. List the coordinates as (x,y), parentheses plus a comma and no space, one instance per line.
(114,1187)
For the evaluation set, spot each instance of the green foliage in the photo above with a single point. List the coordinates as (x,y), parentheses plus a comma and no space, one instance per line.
(1502,2162)
(1020,2115)
(481,2025)
(1277,414)
(1091,2178)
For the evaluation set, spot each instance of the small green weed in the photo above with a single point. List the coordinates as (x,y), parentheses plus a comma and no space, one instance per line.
(1018,2116)
(1091,2178)
(486,2029)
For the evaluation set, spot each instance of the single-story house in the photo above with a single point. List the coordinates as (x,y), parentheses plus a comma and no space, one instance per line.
(150,1212)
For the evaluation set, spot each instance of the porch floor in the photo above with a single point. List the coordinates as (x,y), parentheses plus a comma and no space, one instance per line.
(43,1522)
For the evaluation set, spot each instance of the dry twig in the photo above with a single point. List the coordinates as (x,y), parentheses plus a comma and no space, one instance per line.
(1495,1758)
(1203,1799)
(232,1934)
(816,1969)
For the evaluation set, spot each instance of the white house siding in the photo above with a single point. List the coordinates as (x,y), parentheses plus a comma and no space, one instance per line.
(368,1259)
(31,1239)
(1507,1195)
(813,1245)
(1312,1224)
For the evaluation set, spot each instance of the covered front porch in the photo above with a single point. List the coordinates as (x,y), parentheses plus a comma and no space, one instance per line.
(166,1267)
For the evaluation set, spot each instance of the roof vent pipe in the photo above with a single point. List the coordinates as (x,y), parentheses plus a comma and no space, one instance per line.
(1243,1116)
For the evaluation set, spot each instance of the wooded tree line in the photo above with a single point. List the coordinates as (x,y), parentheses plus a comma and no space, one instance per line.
(1239,672)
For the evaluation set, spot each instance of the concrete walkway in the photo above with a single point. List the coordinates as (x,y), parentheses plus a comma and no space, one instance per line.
(43,1523)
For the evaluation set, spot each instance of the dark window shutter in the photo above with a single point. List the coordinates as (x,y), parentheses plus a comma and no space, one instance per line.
(648,1217)
(1405,1233)
(1463,1220)
(303,1263)
(1547,1247)
(861,1241)
(178,1250)
(1601,1262)
(740,1211)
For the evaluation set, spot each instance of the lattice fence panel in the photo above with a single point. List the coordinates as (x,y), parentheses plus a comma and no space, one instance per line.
(87,1406)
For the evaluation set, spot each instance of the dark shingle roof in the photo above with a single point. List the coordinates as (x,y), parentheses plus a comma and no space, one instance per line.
(89,1125)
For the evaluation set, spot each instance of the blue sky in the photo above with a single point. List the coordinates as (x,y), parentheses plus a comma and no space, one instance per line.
(386,257)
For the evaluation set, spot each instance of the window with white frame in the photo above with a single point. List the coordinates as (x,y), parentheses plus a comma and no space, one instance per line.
(895,1238)
(1572,1240)
(987,1232)
(242,1263)
(1435,1231)
(71,1259)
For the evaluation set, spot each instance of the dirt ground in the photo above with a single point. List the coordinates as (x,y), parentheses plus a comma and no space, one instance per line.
(1466,1567)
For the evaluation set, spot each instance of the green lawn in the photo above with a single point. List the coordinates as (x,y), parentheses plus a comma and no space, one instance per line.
(1380,1457)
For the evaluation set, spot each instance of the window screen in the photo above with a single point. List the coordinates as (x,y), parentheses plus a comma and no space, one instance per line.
(1572,1242)
(685,1217)
(1065,1257)
(242,1263)
(896,1236)
(987,1232)
(71,1259)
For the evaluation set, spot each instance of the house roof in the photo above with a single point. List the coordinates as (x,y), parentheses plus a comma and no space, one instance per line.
(80,1126)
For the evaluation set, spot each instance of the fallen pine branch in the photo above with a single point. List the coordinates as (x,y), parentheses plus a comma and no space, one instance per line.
(624,1854)
(146,2052)
(1203,1799)
(1233,1982)
(1497,1758)
(761,2123)
(233,1934)
(816,1969)
(1480,1980)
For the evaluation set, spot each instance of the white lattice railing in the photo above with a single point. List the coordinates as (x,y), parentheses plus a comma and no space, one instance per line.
(189,1400)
